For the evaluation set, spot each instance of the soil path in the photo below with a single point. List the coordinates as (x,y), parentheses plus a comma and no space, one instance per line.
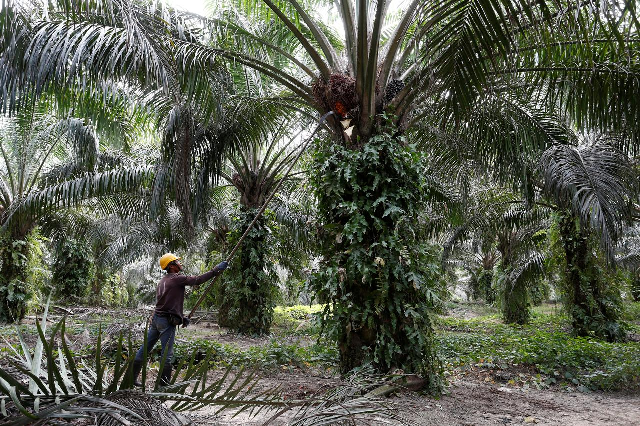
(468,401)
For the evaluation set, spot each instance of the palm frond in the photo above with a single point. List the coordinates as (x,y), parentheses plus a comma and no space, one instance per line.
(102,390)
(72,192)
(594,181)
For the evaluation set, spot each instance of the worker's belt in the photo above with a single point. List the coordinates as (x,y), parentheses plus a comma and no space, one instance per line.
(173,318)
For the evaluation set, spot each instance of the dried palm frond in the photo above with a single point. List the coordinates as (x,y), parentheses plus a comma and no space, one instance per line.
(152,411)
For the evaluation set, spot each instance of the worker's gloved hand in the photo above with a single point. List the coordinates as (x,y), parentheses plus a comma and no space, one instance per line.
(222,266)
(185,322)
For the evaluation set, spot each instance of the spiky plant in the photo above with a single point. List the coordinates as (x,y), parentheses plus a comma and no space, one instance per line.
(50,383)
(61,386)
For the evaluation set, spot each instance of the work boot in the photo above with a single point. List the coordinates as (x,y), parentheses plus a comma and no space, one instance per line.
(137,367)
(165,377)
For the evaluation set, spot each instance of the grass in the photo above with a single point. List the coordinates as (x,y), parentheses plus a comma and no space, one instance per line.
(291,321)
(276,354)
(296,320)
(632,313)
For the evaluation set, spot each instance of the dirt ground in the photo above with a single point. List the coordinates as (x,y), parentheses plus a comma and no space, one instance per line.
(476,397)
(471,402)
(468,401)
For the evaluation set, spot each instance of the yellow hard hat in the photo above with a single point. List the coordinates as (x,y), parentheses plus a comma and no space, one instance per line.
(166,259)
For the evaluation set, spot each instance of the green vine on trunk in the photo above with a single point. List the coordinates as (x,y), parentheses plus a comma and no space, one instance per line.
(19,259)
(591,295)
(248,290)
(73,270)
(378,277)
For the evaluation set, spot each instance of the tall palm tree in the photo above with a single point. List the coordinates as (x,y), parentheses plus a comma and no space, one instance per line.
(519,244)
(593,187)
(247,297)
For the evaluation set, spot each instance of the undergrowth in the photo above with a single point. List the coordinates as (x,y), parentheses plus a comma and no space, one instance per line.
(275,354)
(547,345)
(542,353)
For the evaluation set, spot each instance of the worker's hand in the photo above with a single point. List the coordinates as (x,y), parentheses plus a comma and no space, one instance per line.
(222,265)
(185,321)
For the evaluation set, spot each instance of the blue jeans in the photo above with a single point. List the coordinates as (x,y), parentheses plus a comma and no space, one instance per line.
(160,329)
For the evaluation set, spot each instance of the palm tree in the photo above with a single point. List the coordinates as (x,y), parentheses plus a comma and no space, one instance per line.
(628,256)
(115,231)
(247,297)
(47,164)
(592,186)
(522,258)
(502,222)
(126,51)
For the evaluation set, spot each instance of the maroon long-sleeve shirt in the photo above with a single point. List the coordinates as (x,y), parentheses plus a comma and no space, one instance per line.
(171,288)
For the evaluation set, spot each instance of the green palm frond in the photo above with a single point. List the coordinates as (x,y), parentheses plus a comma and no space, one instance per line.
(446,56)
(62,386)
(503,137)
(586,61)
(66,389)
(109,107)
(461,35)
(485,209)
(15,31)
(119,45)
(72,192)
(594,181)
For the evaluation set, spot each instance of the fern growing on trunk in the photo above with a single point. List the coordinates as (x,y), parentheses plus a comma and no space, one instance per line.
(377,275)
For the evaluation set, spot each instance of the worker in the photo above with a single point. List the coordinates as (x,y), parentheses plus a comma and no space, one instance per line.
(168,312)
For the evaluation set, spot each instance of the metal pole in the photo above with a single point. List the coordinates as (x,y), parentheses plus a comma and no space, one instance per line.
(262,209)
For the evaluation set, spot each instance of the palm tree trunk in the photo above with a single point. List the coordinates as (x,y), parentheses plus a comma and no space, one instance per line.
(375,273)
(516,305)
(515,298)
(247,297)
(593,304)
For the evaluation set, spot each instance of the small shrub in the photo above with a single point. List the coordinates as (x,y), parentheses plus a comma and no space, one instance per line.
(631,312)
(113,292)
